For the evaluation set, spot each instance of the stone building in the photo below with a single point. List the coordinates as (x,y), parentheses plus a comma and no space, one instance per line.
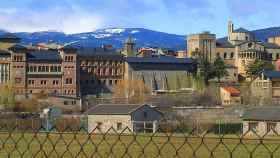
(266,86)
(38,71)
(50,72)
(6,41)
(261,122)
(203,43)
(100,69)
(230,96)
(121,118)
(239,49)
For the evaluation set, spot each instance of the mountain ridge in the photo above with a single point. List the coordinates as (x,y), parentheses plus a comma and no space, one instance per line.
(116,37)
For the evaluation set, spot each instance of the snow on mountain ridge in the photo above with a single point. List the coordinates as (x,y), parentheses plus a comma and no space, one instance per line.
(114,30)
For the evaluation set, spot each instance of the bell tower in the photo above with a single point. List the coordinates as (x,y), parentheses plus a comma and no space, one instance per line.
(129,47)
(230,30)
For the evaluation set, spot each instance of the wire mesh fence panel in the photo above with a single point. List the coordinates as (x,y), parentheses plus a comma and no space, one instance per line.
(70,139)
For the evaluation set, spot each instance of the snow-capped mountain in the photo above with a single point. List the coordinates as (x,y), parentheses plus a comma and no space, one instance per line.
(117,36)
(114,36)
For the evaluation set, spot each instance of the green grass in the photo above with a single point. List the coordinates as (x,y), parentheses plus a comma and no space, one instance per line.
(84,145)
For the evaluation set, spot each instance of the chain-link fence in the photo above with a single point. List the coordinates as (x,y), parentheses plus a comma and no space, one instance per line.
(71,138)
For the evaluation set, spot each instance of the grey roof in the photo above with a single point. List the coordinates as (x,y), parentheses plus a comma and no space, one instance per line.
(241,30)
(224,44)
(270,45)
(272,74)
(114,109)
(263,114)
(97,51)
(17,47)
(44,55)
(160,60)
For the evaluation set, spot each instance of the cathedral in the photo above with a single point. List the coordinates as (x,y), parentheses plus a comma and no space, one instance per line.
(238,50)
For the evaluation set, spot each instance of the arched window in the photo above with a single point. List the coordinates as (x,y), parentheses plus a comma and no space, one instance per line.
(225,55)
(218,54)
(231,55)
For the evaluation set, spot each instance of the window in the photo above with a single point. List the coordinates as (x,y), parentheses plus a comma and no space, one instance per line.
(250,45)
(31,82)
(65,102)
(231,55)
(110,82)
(277,56)
(55,82)
(99,125)
(43,82)
(218,54)
(253,126)
(270,126)
(68,81)
(119,126)
(17,80)
(225,55)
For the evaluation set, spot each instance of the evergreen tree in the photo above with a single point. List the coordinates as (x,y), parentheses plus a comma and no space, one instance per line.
(257,66)
(219,69)
(205,70)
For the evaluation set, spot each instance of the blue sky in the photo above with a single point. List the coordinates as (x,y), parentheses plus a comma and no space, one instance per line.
(172,16)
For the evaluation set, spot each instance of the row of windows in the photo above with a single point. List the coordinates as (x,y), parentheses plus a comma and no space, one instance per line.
(102,72)
(69,58)
(18,58)
(18,67)
(108,82)
(225,55)
(44,69)
(56,92)
(101,63)
(43,82)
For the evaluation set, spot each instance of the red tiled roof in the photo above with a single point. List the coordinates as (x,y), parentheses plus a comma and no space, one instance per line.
(233,91)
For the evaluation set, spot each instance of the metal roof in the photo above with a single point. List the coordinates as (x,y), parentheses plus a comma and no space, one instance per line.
(241,30)
(97,51)
(45,55)
(224,44)
(270,45)
(160,60)
(272,74)
(114,109)
(262,114)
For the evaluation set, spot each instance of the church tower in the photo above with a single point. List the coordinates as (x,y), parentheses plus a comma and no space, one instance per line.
(230,30)
(129,47)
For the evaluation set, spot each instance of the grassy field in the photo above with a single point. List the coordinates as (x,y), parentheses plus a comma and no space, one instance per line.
(84,145)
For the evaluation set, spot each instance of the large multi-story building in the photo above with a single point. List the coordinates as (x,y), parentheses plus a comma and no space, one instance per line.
(38,71)
(239,49)
(76,71)
(100,69)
